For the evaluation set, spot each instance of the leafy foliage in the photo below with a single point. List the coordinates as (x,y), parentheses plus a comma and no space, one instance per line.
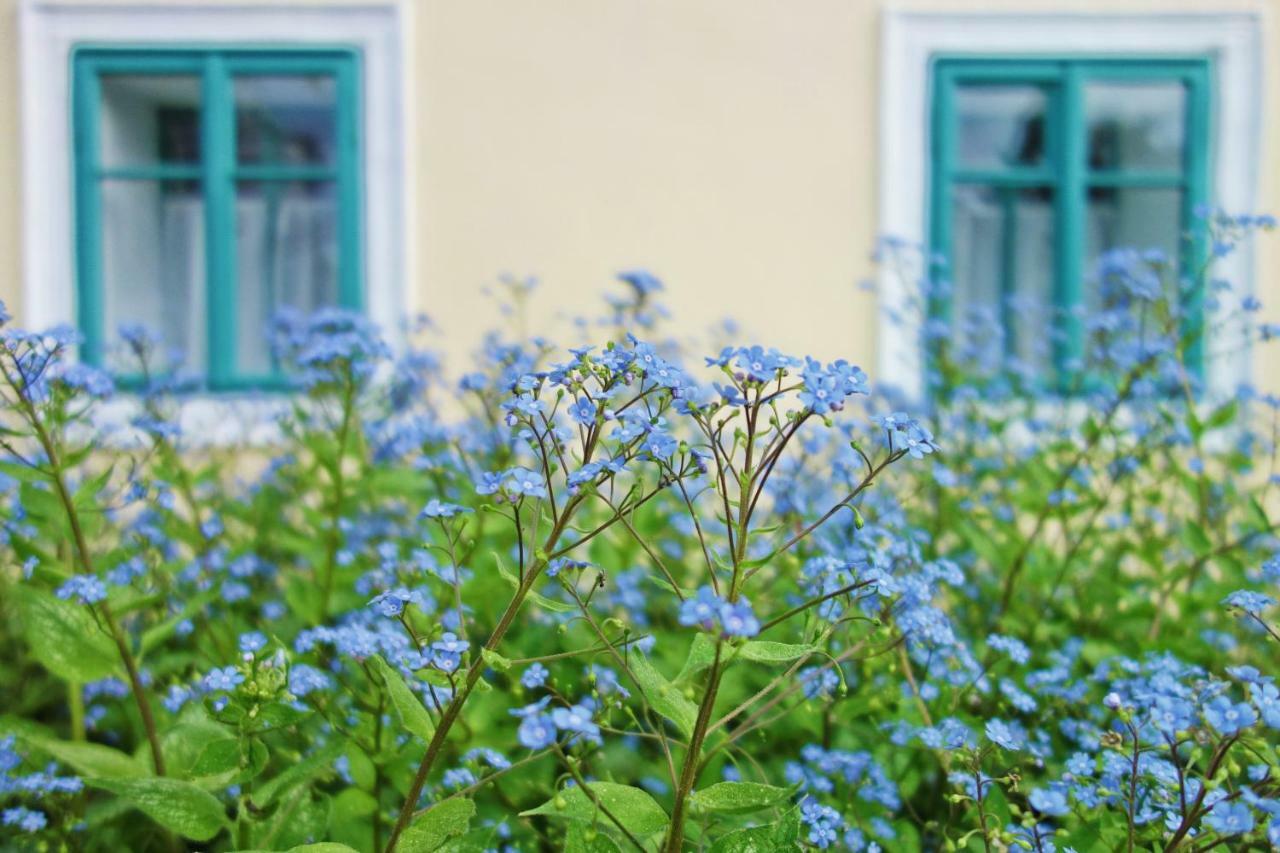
(598,600)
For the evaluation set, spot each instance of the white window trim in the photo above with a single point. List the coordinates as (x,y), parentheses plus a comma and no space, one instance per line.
(50,29)
(909,41)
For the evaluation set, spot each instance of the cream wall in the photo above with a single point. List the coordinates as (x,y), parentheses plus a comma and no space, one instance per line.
(728,145)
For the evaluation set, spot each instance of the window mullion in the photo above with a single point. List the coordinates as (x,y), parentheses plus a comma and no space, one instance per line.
(350,261)
(1196,192)
(88,220)
(219,199)
(943,143)
(1068,349)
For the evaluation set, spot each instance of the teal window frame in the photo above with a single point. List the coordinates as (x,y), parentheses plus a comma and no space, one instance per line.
(1067,172)
(217,173)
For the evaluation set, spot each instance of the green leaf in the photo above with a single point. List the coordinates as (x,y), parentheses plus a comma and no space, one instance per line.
(412,714)
(1223,415)
(763,651)
(319,847)
(64,637)
(738,797)
(541,600)
(783,835)
(300,818)
(587,839)
(1194,537)
(298,773)
(219,756)
(1258,514)
(664,697)
(352,804)
(184,743)
(702,653)
(157,634)
(279,715)
(433,828)
(495,660)
(90,759)
(176,805)
(633,808)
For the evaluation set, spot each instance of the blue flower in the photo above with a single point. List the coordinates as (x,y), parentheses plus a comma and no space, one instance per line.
(176,698)
(526,483)
(253,641)
(304,680)
(576,718)
(435,508)
(458,777)
(450,644)
(28,820)
(583,411)
(906,433)
(1229,717)
(491,757)
(824,823)
(87,589)
(536,731)
(535,676)
(825,388)
(1253,603)
(1011,646)
(1267,699)
(1229,818)
(225,678)
(392,602)
(738,619)
(1008,735)
(818,681)
(701,609)
(762,365)
(1050,801)
(643,281)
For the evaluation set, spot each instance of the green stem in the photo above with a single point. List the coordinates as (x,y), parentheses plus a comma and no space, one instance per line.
(86,567)
(339,498)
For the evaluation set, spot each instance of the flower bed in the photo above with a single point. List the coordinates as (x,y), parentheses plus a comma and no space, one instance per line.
(634,600)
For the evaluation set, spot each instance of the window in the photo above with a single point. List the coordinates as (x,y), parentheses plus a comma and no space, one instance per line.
(1040,166)
(214,188)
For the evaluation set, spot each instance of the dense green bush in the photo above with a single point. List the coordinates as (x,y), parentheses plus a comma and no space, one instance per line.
(595,600)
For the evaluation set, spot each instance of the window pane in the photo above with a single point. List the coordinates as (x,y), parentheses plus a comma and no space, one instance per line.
(1000,126)
(1135,125)
(287,257)
(1127,218)
(285,119)
(150,118)
(1002,253)
(153,265)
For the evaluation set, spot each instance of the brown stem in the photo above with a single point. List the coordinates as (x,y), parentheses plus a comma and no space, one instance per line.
(689,773)
(454,708)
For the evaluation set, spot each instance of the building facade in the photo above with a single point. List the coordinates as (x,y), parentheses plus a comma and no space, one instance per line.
(196,164)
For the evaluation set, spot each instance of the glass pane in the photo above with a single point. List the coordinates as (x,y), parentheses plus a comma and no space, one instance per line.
(1128,218)
(149,118)
(283,119)
(1135,125)
(287,257)
(1000,126)
(153,266)
(1002,268)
